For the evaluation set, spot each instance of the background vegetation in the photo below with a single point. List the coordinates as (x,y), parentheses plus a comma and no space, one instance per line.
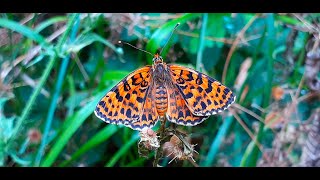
(54,68)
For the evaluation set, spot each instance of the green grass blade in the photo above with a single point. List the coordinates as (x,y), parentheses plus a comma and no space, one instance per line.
(253,153)
(122,150)
(49,22)
(75,122)
(29,33)
(102,136)
(202,40)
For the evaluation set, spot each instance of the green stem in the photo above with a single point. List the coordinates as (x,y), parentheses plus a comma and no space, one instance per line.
(214,148)
(202,40)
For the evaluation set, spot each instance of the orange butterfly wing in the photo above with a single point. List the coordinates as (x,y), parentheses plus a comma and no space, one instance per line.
(203,95)
(178,112)
(130,101)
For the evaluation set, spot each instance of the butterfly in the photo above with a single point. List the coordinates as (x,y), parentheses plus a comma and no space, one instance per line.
(181,94)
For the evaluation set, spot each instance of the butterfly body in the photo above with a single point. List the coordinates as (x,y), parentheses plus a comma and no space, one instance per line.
(184,96)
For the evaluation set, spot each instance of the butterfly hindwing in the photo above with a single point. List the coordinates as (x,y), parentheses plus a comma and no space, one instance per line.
(124,103)
(203,95)
(149,115)
(178,112)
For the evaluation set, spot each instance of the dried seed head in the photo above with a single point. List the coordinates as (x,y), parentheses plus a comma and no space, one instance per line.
(149,139)
(177,149)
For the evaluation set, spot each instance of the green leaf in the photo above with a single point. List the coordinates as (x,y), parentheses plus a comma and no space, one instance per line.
(288,20)
(161,34)
(114,75)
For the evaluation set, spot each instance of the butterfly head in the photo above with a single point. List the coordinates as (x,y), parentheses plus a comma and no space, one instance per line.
(157,59)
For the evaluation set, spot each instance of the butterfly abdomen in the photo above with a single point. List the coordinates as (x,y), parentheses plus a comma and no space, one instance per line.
(161,97)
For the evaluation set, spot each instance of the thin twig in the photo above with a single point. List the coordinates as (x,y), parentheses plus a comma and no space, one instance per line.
(234,45)
(238,106)
(247,130)
(80,66)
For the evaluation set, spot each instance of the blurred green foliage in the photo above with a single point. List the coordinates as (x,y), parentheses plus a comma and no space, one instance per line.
(54,68)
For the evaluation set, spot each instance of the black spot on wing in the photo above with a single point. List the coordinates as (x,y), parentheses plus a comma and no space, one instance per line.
(128,113)
(226,91)
(102,103)
(199,79)
(203,105)
(190,77)
(119,98)
(127,96)
(189,95)
(180,114)
(139,99)
(131,104)
(200,89)
(224,96)
(209,89)
(209,102)
(144,117)
(122,111)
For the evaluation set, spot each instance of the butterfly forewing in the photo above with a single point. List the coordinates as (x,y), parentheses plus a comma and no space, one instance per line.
(203,95)
(124,103)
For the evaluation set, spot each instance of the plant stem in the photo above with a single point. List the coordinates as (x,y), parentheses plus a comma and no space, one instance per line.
(56,94)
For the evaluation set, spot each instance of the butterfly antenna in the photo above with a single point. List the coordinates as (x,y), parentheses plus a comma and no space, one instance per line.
(169,37)
(122,42)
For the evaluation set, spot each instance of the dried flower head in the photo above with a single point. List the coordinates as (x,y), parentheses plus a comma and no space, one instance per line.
(179,149)
(148,140)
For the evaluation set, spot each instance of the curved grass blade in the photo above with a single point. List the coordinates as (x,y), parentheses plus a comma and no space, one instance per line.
(49,22)
(214,148)
(24,30)
(122,150)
